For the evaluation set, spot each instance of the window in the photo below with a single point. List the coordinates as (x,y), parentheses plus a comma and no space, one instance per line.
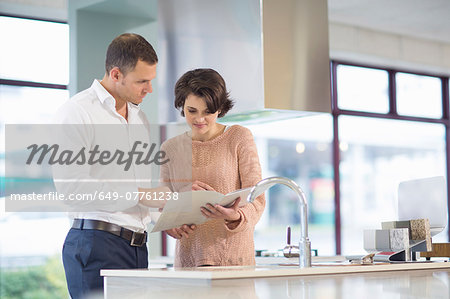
(35,51)
(299,149)
(391,127)
(34,73)
(362,89)
(419,95)
(377,156)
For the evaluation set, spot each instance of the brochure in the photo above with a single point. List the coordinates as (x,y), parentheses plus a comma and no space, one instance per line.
(186,209)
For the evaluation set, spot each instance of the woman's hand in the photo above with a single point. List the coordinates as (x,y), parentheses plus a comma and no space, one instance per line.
(219,212)
(197,185)
(180,232)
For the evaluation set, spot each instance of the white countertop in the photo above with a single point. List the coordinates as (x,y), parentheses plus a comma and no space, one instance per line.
(423,284)
(424,280)
(234,272)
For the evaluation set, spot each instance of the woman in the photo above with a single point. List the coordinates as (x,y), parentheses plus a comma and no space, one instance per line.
(224,159)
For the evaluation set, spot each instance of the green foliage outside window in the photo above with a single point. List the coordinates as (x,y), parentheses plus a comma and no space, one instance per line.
(45,281)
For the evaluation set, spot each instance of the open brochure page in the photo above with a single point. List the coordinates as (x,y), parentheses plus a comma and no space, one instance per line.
(186,210)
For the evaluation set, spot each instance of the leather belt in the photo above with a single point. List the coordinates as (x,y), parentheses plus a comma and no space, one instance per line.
(135,238)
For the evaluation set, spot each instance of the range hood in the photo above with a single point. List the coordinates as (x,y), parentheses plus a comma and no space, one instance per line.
(273,54)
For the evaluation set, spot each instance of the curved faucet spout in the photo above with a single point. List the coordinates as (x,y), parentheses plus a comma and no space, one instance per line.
(305,244)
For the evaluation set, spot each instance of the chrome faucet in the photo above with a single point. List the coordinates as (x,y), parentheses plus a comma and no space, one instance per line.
(305,244)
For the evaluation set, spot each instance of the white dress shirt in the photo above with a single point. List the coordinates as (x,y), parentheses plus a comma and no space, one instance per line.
(97,122)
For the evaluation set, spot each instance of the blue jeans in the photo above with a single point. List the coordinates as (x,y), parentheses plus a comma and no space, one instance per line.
(87,251)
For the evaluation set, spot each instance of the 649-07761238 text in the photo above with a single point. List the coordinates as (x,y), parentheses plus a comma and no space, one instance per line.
(97,195)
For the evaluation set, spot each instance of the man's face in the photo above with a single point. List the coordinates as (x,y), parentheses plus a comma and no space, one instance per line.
(135,85)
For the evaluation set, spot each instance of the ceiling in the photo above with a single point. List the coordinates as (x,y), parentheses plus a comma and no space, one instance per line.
(429,19)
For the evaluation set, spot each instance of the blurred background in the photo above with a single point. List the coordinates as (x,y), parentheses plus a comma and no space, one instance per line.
(389,67)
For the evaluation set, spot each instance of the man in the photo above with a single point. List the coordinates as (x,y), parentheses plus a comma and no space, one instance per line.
(108,234)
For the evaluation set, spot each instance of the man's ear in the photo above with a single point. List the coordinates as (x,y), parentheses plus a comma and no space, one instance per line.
(115,74)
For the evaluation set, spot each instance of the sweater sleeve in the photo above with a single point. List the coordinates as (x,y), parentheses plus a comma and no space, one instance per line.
(164,171)
(249,174)
(177,172)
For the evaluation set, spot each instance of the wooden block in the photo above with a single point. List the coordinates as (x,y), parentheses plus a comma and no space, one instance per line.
(438,250)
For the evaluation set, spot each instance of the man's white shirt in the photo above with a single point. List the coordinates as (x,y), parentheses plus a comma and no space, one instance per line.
(97,123)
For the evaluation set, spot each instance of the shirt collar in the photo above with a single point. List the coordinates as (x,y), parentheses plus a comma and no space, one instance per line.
(133,110)
(104,96)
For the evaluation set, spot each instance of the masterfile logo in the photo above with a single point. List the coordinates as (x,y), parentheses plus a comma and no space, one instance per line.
(96,156)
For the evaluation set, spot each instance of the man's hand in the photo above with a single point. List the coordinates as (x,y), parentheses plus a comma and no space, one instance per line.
(219,212)
(182,231)
(151,197)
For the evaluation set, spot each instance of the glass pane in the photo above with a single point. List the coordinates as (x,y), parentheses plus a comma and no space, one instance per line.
(299,149)
(33,50)
(362,89)
(28,105)
(376,155)
(419,95)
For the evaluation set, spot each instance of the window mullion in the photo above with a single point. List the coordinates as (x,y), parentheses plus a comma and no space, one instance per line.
(392,93)
(445,98)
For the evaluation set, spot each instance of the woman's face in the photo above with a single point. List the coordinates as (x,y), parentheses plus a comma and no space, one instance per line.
(201,121)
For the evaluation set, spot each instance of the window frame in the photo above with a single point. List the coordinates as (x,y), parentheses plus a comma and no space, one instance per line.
(392,114)
(23,83)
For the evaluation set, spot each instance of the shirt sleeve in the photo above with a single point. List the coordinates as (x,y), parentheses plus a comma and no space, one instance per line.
(250,175)
(82,189)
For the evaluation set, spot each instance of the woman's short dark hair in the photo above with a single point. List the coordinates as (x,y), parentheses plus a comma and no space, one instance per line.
(206,84)
(126,50)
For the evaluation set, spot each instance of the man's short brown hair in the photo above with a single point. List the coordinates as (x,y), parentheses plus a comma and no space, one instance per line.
(126,50)
(206,84)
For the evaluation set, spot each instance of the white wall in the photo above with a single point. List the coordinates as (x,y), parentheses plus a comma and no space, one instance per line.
(378,48)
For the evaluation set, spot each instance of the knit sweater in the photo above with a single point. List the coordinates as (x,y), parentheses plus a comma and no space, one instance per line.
(226,163)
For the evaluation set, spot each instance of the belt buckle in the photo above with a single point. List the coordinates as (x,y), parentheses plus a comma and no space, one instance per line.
(137,239)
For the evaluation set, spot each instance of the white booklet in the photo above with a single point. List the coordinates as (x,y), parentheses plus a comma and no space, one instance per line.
(186,209)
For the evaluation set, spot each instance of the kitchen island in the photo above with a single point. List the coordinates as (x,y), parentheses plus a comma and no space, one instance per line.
(323,280)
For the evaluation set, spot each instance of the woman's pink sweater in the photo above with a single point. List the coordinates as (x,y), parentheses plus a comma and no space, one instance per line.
(226,163)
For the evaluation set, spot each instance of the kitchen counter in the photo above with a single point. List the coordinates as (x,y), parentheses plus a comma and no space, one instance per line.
(323,280)
(235,272)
